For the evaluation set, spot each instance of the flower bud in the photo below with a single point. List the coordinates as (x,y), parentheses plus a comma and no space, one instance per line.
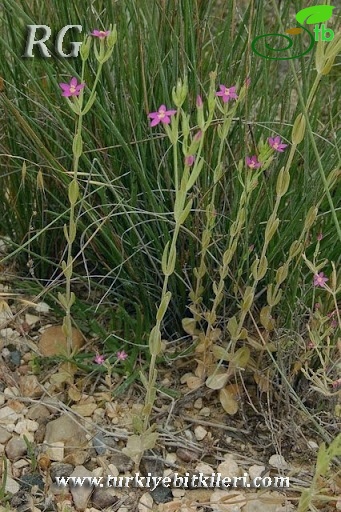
(85,49)
(179,93)
(112,37)
(298,129)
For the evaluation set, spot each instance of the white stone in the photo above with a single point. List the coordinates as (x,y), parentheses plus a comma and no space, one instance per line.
(8,333)
(81,494)
(42,307)
(228,468)
(198,403)
(7,415)
(204,468)
(113,470)
(313,445)
(205,411)
(21,463)
(11,485)
(145,503)
(12,391)
(171,458)
(278,461)
(200,433)
(255,471)
(31,319)
(24,426)
(55,451)
(178,493)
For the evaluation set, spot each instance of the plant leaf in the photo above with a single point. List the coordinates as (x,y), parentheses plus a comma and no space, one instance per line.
(314,14)
(217,381)
(227,397)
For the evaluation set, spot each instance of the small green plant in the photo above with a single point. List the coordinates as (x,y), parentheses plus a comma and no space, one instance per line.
(31,454)
(4,497)
(79,108)
(315,494)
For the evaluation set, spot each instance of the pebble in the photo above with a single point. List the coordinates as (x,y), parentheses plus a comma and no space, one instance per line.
(42,307)
(145,503)
(8,415)
(11,485)
(278,461)
(38,412)
(200,433)
(55,451)
(31,319)
(31,480)
(313,445)
(187,455)
(228,468)
(24,426)
(99,444)
(16,448)
(204,468)
(198,403)
(81,494)
(256,471)
(67,430)
(104,497)
(122,462)
(60,469)
(29,386)
(4,435)
(205,411)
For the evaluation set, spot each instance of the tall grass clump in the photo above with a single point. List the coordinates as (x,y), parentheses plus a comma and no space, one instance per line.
(200,193)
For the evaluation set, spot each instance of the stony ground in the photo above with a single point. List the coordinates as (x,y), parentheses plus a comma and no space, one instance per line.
(55,422)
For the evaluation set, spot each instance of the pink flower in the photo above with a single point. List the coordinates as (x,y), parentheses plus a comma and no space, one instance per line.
(252,162)
(320,279)
(227,93)
(99,359)
(71,89)
(189,160)
(121,355)
(198,136)
(319,237)
(336,384)
(161,116)
(100,33)
(277,144)
(199,101)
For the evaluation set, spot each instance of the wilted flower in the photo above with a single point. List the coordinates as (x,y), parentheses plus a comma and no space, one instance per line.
(277,144)
(320,279)
(319,237)
(100,33)
(161,116)
(336,384)
(252,162)
(189,160)
(227,93)
(121,355)
(71,89)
